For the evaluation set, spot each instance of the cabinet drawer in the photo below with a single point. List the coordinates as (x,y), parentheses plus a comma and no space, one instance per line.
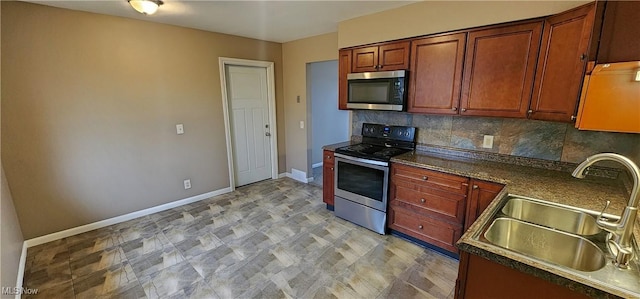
(444,205)
(327,157)
(432,179)
(439,233)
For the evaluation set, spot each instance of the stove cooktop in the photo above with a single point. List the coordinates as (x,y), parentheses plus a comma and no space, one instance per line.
(373,152)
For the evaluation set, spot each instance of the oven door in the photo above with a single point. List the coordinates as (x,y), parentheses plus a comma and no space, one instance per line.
(362,181)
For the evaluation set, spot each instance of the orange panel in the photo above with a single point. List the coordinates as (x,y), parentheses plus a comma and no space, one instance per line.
(611,99)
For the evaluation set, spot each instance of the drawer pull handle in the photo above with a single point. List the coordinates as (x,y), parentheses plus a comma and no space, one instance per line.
(420,226)
(424,178)
(422,200)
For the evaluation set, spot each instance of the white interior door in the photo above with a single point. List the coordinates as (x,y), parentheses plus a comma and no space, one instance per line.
(249,118)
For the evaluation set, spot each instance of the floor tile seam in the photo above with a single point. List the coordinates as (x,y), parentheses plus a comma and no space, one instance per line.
(125,260)
(426,291)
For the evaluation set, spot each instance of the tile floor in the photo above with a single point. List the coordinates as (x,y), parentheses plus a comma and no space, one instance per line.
(317,176)
(272,239)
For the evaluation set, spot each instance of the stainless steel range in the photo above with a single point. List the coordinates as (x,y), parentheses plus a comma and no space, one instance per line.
(362,174)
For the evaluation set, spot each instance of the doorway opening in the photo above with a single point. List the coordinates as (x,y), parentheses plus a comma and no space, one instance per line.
(328,124)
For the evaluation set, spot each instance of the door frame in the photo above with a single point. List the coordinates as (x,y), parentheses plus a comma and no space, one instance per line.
(271,99)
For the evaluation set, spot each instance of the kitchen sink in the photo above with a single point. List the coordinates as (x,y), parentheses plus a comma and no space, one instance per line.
(552,216)
(546,244)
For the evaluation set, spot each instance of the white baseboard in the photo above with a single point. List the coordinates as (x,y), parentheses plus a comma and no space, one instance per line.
(284,175)
(103,223)
(299,175)
(21,267)
(316,165)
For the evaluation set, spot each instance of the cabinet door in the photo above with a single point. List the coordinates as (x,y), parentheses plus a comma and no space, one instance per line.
(481,194)
(565,42)
(499,70)
(328,165)
(436,74)
(344,68)
(619,41)
(393,56)
(488,279)
(365,60)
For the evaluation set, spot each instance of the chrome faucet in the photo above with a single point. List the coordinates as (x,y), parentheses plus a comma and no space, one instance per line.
(620,231)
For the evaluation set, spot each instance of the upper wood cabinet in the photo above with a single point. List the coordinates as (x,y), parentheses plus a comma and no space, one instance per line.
(385,57)
(499,70)
(561,65)
(436,74)
(344,68)
(620,34)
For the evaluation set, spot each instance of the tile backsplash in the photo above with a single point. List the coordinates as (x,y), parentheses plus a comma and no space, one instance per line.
(545,140)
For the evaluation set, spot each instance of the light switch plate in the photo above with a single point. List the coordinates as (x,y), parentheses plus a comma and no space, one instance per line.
(179,129)
(302,124)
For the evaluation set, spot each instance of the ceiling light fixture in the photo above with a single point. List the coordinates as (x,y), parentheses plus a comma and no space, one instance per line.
(146,7)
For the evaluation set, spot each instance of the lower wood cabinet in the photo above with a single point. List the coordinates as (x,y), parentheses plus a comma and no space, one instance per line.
(425,228)
(482,278)
(427,205)
(328,166)
(481,194)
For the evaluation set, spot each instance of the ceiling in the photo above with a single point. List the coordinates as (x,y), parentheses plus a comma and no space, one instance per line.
(277,21)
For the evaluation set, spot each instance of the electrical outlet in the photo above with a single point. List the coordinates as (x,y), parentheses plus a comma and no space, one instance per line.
(488,141)
(179,129)
(187,184)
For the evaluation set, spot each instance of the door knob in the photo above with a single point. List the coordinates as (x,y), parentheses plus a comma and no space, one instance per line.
(267,134)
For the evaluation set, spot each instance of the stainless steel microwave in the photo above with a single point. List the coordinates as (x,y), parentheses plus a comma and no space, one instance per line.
(377,90)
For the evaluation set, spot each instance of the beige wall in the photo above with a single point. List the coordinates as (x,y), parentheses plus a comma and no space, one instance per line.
(296,55)
(11,239)
(89,108)
(439,16)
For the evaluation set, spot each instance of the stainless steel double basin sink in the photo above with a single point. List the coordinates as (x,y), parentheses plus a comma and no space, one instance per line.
(556,234)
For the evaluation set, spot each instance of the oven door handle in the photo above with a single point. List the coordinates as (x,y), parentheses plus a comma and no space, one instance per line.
(361,160)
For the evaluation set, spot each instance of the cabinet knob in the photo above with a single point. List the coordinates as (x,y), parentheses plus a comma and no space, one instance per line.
(475,187)
(454,108)
(331,168)
(583,56)
(463,109)
(420,226)
(573,117)
(424,178)
(530,111)
(380,66)
(422,200)
(328,157)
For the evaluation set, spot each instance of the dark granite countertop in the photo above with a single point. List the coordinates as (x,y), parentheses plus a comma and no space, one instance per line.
(555,186)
